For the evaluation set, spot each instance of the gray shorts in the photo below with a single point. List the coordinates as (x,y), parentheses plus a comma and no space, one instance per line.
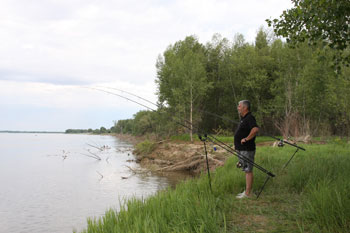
(246,166)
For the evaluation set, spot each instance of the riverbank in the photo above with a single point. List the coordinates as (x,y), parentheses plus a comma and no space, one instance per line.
(179,154)
(311,195)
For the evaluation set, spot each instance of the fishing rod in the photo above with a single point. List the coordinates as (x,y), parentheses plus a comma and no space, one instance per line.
(202,139)
(150,102)
(147,107)
(281,142)
(235,122)
(213,139)
(208,136)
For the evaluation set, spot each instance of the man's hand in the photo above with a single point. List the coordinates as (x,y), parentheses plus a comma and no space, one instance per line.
(252,134)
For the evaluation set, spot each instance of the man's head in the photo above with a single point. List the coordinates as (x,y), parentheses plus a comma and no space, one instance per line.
(243,107)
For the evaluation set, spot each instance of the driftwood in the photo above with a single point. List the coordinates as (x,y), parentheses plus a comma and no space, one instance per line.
(123,150)
(159,142)
(97,158)
(100,175)
(137,171)
(98,148)
(190,164)
(162,162)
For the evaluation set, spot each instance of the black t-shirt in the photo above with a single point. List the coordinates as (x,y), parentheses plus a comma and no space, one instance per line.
(245,126)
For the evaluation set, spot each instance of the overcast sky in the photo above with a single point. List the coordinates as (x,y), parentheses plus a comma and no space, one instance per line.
(50,50)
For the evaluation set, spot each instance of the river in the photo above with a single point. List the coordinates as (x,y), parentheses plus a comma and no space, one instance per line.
(50,184)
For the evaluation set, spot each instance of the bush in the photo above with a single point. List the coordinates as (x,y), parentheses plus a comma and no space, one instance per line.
(146,147)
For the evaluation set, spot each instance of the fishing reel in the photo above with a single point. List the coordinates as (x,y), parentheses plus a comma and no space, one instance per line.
(280,143)
(203,138)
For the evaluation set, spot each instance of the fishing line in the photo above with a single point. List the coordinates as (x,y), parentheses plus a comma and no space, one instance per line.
(206,136)
(131,94)
(213,139)
(112,93)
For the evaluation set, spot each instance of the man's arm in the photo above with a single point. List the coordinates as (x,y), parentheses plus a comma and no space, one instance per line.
(251,135)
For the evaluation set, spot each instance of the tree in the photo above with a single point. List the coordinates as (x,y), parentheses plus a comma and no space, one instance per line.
(144,122)
(124,126)
(313,21)
(103,130)
(181,76)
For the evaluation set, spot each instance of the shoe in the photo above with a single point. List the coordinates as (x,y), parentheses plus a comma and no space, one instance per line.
(243,196)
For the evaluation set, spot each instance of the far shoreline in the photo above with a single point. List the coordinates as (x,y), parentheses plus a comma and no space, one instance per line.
(41,132)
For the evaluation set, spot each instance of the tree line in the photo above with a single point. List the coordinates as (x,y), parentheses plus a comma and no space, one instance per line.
(101,130)
(294,91)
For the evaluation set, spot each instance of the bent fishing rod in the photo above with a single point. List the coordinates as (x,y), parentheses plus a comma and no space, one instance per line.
(281,142)
(209,137)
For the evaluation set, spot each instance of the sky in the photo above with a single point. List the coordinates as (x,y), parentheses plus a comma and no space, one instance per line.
(52,52)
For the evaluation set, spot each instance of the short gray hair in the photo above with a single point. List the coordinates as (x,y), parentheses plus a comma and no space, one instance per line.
(245,103)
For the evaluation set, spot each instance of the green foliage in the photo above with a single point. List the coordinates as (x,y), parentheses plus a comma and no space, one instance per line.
(311,195)
(225,139)
(101,130)
(72,131)
(314,21)
(148,122)
(146,147)
(182,137)
(182,78)
(124,126)
(293,91)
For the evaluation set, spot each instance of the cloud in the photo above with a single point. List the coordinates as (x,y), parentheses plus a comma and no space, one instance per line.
(89,41)
(49,48)
(73,97)
(43,106)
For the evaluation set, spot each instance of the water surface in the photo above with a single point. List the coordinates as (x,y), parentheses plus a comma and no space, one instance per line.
(48,184)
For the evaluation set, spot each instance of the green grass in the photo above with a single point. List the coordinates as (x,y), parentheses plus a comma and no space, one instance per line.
(226,139)
(310,195)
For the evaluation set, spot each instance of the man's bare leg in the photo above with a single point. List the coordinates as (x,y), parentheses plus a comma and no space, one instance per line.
(248,182)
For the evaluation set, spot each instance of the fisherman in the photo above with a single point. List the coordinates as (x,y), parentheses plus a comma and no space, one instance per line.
(244,141)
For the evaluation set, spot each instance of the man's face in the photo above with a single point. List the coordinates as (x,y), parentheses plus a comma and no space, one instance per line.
(241,109)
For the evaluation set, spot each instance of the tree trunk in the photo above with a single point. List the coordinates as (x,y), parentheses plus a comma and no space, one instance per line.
(191,110)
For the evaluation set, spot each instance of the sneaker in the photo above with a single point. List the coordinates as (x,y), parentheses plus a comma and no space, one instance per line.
(241,194)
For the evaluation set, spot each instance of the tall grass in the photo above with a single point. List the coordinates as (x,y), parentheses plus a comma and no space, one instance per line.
(188,208)
(311,195)
(321,176)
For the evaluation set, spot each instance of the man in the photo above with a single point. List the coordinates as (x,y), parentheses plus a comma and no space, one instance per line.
(245,144)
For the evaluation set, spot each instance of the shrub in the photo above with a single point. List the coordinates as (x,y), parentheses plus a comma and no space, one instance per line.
(146,147)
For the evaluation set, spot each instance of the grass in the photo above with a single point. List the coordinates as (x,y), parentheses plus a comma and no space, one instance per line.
(226,139)
(310,195)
